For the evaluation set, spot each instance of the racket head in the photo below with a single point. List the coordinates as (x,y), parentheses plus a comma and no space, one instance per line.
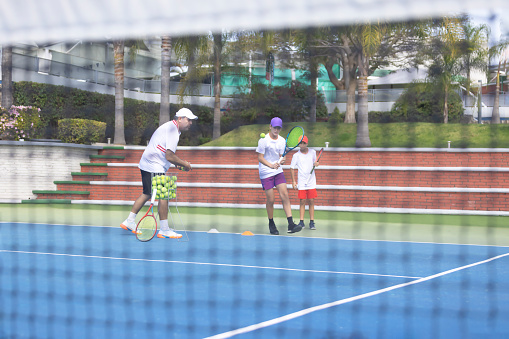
(294,137)
(146,228)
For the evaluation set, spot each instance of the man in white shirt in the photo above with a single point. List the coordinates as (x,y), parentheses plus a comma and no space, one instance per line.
(156,160)
(269,151)
(303,161)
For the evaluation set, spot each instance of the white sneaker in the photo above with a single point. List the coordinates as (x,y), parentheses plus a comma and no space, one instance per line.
(169,234)
(129,225)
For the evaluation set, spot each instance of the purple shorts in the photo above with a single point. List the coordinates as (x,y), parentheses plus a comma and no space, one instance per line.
(271,182)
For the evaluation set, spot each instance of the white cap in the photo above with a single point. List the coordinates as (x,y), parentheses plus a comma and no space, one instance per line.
(186,112)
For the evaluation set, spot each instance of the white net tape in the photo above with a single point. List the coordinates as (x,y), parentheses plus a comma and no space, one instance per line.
(64,20)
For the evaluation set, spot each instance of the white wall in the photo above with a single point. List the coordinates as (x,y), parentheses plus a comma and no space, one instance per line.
(22,75)
(28,166)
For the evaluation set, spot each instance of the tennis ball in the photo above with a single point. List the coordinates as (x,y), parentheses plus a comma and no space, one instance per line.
(164,189)
(262,135)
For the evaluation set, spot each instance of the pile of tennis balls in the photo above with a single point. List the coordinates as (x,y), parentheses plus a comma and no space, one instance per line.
(166,186)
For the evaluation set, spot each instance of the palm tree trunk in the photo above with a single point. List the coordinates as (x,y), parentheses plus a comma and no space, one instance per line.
(218,49)
(446,106)
(495,115)
(350,101)
(7,77)
(164,110)
(362,115)
(118,55)
(314,85)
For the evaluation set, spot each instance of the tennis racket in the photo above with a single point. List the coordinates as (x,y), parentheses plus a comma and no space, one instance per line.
(147,227)
(293,140)
(312,170)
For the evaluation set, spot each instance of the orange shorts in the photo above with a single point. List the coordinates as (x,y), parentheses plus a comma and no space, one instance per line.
(308,194)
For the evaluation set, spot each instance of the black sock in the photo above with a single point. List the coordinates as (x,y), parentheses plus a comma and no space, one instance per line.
(271,222)
(290,220)
(302,220)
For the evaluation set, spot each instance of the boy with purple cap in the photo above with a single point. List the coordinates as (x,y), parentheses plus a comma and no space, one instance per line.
(269,151)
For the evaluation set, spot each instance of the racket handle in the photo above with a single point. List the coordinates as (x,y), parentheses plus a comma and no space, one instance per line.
(153,198)
(279,161)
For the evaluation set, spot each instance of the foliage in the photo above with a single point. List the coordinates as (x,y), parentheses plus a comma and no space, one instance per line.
(81,131)
(336,117)
(400,134)
(141,118)
(423,102)
(20,122)
(291,103)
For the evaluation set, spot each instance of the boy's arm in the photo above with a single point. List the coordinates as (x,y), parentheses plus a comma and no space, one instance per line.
(262,160)
(294,183)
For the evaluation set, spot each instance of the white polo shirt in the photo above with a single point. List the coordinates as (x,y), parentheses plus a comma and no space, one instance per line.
(304,164)
(166,137)
(272,151)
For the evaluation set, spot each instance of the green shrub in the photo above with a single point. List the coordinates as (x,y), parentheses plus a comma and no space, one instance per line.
(81,131)
(291,102)
(20,122)
(424,102)
(141,118)
(336,117)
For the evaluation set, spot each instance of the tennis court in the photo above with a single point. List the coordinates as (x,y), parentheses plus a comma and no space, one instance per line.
(58,280)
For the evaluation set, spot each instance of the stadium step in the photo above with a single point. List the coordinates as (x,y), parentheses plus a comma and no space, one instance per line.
(346,179)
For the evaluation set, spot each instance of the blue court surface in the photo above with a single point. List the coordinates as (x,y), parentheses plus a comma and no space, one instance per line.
(59,281)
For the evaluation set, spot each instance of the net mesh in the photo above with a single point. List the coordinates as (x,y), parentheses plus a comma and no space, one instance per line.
(408,241)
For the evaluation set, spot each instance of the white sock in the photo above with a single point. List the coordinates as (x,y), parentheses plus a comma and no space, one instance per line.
(131,217)
(164,225)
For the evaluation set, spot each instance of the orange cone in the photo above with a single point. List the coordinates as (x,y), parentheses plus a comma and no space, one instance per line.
(247,233)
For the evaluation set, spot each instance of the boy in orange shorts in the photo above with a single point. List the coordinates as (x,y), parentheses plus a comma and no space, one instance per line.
(303,161)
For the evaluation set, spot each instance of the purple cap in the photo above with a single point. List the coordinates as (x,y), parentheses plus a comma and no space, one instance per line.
(276,122)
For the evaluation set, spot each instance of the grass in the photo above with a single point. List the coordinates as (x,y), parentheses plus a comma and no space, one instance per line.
(481,230)
(381,135)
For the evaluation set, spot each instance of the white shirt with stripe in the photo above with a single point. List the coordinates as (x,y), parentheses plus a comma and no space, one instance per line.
(166,137)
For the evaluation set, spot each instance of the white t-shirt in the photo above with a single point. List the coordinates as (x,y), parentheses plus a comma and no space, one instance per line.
(272,151)
(304,164)
(166,137)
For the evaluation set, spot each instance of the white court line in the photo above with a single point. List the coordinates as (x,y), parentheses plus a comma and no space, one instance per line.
(282,236)
(210,264)
(344,301)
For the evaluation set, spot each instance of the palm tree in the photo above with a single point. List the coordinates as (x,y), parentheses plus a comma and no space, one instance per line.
(446,50)
(118,56)
(164,111)
(307,41)
(500,50)
(367,39)
(218,50)
(7,77)
(476,51)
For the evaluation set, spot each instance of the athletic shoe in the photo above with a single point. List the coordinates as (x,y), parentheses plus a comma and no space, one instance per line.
(312,225)
(273,229)
(294,228)
(301,224)
(129,225)
(169,234)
